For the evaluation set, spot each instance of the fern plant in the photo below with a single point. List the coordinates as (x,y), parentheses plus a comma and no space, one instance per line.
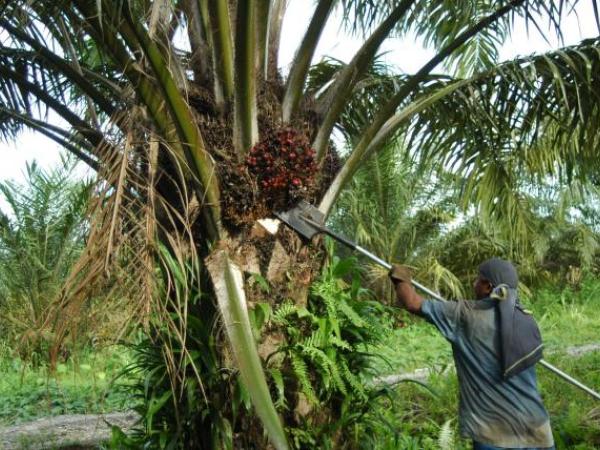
(446,436)
(319,367)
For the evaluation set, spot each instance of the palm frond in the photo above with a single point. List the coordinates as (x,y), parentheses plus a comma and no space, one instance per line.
(278,10)
(13,121)
(263,19)
(190,135)
(373,88)
(344,83)
(196,23)
(535,115)
(229,287)
(438,25)
(42,64)
(438,22)
(404,92)
(303,58)
(220,40)
(246,121)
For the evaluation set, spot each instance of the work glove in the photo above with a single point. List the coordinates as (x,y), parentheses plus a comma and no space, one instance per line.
(400,273)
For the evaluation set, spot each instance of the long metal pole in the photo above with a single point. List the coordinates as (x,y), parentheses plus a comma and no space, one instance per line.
(570,379)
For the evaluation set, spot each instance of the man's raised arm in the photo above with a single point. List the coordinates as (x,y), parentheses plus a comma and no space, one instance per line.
(405,292)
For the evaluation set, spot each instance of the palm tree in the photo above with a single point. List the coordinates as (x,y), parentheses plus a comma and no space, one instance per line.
(42,231)
(194,142)
(409,213)
(397,209)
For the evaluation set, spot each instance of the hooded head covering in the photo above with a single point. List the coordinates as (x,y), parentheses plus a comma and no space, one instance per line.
(499,271)
(520,336)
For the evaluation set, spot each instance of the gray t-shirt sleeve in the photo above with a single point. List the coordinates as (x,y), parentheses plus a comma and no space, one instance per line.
(444,315)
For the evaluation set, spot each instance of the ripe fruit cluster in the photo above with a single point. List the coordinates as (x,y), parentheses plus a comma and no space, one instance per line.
(283,164)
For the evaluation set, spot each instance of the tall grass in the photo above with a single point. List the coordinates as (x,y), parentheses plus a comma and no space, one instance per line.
(79,386)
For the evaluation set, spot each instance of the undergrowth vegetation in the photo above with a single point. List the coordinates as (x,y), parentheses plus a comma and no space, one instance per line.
(327,349)
(317,364)
(83,385)
(324,350)
(426,419)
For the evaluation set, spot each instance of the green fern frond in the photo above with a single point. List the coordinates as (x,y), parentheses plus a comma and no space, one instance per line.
(277,377)
(326,364)
(351,314)
(330,298)
(340,343)
(446,436)
(353,380)
(301,372)
(316,339)
(283,312)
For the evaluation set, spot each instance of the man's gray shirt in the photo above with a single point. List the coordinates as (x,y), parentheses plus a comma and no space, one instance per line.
(502,413)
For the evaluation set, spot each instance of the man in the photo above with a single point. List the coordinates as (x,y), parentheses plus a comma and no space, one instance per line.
(495,346)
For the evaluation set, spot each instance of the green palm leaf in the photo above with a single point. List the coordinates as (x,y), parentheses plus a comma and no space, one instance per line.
(229,287)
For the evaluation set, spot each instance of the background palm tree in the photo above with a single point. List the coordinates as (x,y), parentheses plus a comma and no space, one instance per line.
(413,214)
(42,231)
(194,143)
(396,209)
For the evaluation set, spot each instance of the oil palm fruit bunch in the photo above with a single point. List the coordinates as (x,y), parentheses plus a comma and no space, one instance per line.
(283,165)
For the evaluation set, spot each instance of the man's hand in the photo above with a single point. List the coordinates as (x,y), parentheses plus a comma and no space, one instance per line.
(399,273)
(405,293)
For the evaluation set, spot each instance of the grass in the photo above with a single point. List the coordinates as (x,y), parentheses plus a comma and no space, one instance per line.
(420,417)
(81,386)
(575,415)
(568,317)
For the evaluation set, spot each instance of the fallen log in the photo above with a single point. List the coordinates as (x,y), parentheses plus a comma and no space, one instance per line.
(73,431)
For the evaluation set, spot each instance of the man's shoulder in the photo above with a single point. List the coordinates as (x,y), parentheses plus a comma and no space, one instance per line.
(444,315)
(433,306)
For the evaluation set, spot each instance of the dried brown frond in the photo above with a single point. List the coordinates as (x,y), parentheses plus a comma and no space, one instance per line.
(137,201)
